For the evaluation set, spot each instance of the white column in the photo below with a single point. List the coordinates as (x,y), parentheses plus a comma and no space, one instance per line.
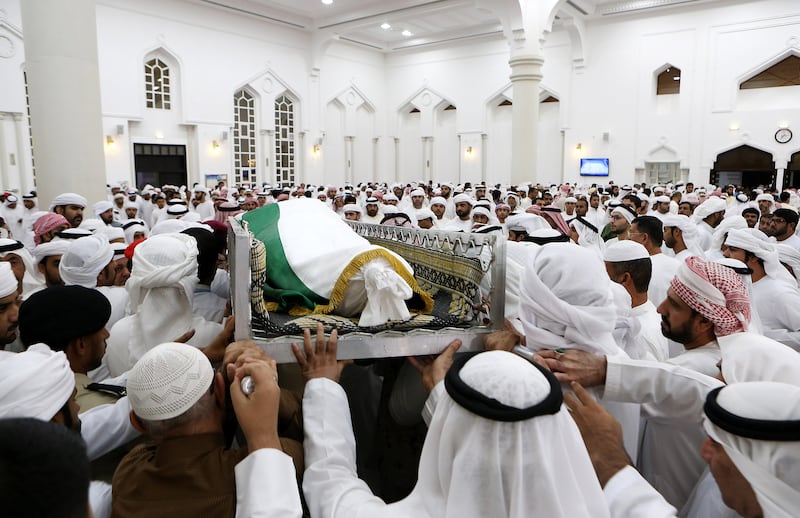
(64,91)
(484,156)
(779,178)
(396,159)
(526,75)
(25,176)
(348,160)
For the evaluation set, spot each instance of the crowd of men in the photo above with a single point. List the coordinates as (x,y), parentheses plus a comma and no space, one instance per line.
(649,365)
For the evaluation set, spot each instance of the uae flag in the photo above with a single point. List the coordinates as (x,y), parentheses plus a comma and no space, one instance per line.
(312,255)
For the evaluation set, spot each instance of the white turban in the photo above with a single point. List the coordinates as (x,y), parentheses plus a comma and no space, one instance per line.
(161,288)
(113,233)
(688,230)
(626,212)
(711,206)
(84,261)
(566,300)
(32,279)
(351,207)
(132,227)
(101,206)
(417,192)
(529,223)
(789,255)
(57,247)
(463,198)
(768,412)
(36,383)
(68,198)
(729,223)
(425,214)
(438,200)
(765,197)
(8,283)
(754,241)
(535,463)
(169,226)
(92,225)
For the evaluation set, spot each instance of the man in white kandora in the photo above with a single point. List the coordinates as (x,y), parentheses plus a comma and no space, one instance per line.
(500,443)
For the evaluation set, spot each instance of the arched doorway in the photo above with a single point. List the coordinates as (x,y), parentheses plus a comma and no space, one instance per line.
(791,177)
(745,166)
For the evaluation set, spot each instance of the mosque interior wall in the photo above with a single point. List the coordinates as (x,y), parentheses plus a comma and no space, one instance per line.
(433,113)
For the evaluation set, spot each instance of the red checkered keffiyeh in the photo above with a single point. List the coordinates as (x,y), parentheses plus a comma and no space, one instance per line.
(716,292)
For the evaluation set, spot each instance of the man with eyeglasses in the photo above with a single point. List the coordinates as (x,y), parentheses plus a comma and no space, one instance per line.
(783,227)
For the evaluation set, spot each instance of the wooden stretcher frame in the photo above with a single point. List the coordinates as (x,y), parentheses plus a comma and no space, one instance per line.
(391,343)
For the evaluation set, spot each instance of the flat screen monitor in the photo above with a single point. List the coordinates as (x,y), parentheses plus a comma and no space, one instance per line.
(594,167)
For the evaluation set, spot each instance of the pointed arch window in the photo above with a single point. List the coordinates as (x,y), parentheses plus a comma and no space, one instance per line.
(157,84)
(244,137)
(669,81)
(284,141)
(785,72)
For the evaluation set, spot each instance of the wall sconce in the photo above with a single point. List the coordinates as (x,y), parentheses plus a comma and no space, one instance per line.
(215,147)
(316,149)
(160,135)
(734,126)
(469,151)
(110,144)
(579,147)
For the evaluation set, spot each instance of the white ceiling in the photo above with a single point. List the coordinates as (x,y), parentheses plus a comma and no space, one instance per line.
(430,22)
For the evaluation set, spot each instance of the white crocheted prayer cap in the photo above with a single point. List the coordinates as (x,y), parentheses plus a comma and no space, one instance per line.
(625,250)
(168,380)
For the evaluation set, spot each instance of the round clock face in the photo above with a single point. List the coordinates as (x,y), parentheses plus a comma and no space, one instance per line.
(783,135)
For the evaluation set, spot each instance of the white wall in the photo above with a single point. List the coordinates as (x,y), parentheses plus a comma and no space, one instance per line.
(610,89)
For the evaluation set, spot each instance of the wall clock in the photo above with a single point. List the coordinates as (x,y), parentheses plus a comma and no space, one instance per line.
(783,135)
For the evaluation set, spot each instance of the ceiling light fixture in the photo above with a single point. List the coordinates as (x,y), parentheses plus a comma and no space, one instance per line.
(327,2)
(385,26)
(407,33)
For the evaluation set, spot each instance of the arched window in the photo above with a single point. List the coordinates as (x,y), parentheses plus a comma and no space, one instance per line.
(785,72)
(244,137)
(284,141)
(669,81)
(157,86)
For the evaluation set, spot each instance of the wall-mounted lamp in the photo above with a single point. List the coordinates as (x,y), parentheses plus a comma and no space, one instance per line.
(783,125)
(734,126)
(110,144)
(160,135)
(316,149)
(579,147)
(215,147)
(469,151)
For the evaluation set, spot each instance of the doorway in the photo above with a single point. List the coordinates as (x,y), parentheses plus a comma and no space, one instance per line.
(750,166)
(159,164)
(791,177)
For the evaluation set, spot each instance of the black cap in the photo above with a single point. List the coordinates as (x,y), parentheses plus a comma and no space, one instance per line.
(59,314)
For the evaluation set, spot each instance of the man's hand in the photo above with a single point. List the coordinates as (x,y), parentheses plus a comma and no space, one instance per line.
(238,352)
(569,365)
(433,370)
(504,340)
(216,349)
(601,433)
(319,360)
(257,413)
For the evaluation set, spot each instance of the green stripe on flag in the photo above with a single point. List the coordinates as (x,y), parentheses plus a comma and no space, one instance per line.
(283,285)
